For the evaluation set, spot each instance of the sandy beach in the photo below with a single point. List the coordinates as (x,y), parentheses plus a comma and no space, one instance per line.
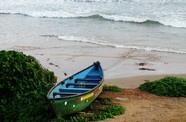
(128,69)
(146,107)
(123,70)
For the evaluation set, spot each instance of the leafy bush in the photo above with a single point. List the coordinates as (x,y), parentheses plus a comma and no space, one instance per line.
(108,112)
(24,84)
(101,116)
(114,110)
(106,100)
(168,86)
(112,88)
(72,118)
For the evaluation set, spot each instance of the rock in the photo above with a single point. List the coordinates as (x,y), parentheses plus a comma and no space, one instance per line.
(147,69)
(142,64)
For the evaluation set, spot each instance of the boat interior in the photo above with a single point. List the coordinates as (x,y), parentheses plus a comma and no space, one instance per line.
(79,83)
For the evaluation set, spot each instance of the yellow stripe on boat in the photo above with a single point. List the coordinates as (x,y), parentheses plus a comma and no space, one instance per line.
(89,95)
(86,96)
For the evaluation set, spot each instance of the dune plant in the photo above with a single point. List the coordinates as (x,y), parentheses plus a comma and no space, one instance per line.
(112,88)
(72,118)
(108,112)
(24,84)
(168,86)
(106,101)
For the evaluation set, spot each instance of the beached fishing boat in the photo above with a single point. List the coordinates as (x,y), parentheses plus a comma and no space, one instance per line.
(77,91)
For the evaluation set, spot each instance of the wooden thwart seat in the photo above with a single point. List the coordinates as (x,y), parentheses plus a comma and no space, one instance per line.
(93,76)
(64,93)
(82,84)
(74,90)
(86,79)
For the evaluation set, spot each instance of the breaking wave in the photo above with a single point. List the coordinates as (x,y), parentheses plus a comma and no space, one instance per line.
(117,18)
(166,12)
(114,45)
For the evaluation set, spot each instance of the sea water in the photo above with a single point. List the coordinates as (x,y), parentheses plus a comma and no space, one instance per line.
(152,25)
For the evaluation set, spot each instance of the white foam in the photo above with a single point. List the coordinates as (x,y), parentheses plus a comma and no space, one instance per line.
(124,18)
(174,22)
(106,43)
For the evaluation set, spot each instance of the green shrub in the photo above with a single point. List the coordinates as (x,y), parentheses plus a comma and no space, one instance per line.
(106,100)
(72,118)
(101,116)
(112,88)
(24,84)
(108,112)
(168,86)
(114,110)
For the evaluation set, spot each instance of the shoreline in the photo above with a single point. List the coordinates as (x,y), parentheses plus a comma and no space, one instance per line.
(121,66)
(136,81)
(68,56)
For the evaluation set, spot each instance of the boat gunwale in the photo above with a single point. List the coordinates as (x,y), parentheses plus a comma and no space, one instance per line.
(78,95)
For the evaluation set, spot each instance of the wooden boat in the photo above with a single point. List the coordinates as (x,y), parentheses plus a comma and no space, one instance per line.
(78,91)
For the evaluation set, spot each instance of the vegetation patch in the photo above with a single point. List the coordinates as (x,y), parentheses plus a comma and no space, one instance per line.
(24,84)
(112,88)
(106,101)
(72,118)
(168,86)
(108,112)
(96,111)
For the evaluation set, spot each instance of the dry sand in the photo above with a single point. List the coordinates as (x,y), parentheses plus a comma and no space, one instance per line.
(145,107)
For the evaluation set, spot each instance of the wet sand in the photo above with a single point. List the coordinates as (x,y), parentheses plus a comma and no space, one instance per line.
(117,64)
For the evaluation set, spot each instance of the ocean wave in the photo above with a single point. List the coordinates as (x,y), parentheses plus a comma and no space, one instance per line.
(114,45)
(122,19)
(168,13)
(173,22)
(118,18)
